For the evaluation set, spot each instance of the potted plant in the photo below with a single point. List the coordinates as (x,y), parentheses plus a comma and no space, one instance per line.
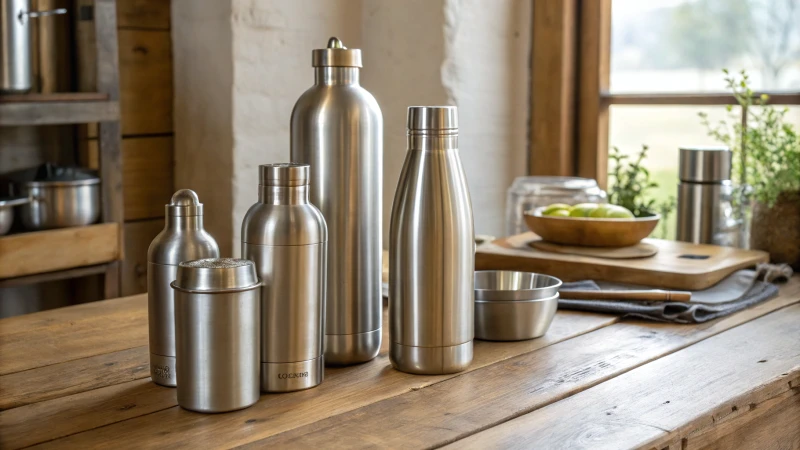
(767,165)
(632,185)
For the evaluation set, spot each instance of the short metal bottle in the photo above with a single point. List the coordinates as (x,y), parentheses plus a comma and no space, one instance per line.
(337,128)
(182,239)
(287,238)
(431,251)
(217,324)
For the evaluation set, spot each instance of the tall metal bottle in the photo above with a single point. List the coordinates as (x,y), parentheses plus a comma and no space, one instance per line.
(337,128)
(182,239)
(431,250)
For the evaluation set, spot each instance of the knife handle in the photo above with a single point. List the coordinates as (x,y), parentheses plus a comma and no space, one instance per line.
(648,295)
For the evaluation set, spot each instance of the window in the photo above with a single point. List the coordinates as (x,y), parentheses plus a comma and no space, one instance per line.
(631,72)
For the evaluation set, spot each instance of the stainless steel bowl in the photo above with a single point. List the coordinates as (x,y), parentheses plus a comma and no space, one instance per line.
(70,200)
(514,306)
(510,285)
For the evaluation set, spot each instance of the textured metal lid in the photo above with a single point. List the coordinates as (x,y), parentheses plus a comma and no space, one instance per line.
(285,174)
(336,55)
(433,119)
(704,164)
(185,203)
(216,275)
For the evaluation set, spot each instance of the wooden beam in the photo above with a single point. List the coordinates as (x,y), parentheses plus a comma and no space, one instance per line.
(552,96)
(109,134)
(594,69)
(716,98)
(57,113)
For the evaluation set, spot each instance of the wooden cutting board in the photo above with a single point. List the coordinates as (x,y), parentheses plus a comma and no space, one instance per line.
(677,265)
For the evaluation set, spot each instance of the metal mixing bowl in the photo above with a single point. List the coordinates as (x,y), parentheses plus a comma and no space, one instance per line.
(514,306)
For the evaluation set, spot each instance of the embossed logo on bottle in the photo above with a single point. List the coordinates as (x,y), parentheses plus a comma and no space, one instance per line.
(284,376)
(161,371)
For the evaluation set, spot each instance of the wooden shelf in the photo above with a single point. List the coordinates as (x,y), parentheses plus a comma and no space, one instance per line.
(57,108)
(38,252)
(54,276)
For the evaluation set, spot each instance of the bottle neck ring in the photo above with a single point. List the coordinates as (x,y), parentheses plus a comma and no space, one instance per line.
(336,75)
(283,195)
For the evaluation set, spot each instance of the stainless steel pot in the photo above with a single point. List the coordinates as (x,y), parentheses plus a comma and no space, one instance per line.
(69,199)
(15,44)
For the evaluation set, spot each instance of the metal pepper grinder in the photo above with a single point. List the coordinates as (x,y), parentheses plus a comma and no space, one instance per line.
(182,239)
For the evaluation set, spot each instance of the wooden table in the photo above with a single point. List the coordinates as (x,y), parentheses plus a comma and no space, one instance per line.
(77,377)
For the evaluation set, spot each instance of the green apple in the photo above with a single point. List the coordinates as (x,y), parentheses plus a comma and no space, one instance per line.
(558,213)
(555,207)
(618,212)
(582,209)
(611,212)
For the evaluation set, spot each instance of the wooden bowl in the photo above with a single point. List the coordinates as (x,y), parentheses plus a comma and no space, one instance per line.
(590,232)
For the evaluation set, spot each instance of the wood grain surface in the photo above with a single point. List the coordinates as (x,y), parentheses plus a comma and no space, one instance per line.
(712,381)
(83,371)
(46,251)
(677,265)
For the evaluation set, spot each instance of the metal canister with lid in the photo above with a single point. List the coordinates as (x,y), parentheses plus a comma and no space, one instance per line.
(705,212)
(287,237)
(217,324)
(337,128)
(182,239)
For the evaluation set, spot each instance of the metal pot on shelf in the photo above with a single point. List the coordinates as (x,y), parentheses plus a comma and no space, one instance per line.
(56,197)
(15,44)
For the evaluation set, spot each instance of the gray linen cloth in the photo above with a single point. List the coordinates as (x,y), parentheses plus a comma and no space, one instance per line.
(738,291)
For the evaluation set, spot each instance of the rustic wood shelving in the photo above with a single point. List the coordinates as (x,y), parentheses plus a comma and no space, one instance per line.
(36,257)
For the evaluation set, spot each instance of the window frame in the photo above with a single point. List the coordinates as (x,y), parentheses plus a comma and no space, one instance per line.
(569,93)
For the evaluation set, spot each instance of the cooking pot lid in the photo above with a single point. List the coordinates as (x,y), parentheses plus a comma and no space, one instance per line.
(52,175)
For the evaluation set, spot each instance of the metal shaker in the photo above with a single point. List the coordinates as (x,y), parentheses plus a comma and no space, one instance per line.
(431,251)
(16,72)
(337,128)
(217,324)
(287,238)
(705,213)
(182,239)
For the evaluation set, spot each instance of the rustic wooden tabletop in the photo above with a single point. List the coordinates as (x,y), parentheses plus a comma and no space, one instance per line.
(78,377)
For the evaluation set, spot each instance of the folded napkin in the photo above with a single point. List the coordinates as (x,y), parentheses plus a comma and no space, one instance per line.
(738,291)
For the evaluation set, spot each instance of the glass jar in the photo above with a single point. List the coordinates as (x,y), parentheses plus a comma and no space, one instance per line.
(527,193)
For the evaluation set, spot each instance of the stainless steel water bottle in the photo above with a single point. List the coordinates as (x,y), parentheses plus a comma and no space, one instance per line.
(217,324)
(182,239)
(337,128)
(705,212)
(287,238)
(431,250)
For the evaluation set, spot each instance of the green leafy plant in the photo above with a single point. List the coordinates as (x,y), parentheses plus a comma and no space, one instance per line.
(766,148)
(631,184)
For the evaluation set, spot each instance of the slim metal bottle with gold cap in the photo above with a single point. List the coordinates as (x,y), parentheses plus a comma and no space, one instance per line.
(286,237)
(431,250)
(337,128)
(182,239)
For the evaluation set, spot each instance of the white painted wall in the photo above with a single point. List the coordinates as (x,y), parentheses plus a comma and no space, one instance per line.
(471,53)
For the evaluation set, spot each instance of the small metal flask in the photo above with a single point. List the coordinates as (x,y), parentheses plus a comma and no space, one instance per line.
(337,128)
(217,305)
(182,239)
(705,211)
(287,237)
(431,251)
